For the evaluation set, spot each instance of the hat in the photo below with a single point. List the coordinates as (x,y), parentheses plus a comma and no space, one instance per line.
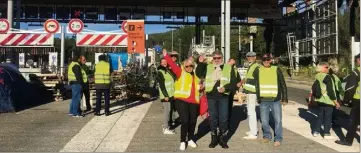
(251,54)
(266,57)
(173,53)
(357,56)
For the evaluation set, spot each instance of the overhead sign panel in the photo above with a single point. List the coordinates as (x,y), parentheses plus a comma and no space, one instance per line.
(31,12)
(77,12)
(62,12)
(46,12)
(91,13)
(110,14)
(138,14)
(124,13)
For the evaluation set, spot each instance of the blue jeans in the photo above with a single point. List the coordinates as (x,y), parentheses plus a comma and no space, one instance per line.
(324,116)
(276,110)
(218,113)
(76,93)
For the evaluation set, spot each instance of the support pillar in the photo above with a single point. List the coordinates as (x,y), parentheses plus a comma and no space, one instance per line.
(251,43)
(10,12)
(222,25)
(18,8)
(62,50)
(228,30)
(198,29)
(297,52)
(314,41)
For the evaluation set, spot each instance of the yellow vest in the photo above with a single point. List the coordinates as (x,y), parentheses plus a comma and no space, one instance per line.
(102,74)
(169,84)
(357,93)
(183,86)
(249,80)
(324,98)
(268,82)
(225,78)
(71,75)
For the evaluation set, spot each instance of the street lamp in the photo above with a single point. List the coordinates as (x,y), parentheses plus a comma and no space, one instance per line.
(171,27)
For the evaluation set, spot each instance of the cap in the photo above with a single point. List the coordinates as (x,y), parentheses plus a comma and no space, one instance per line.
(173,53)
(357,56)
(266,57)
(251,54)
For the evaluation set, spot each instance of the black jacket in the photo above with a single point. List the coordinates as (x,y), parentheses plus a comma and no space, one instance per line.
(316,88)
(351,85)
(282,88)
(78,75)
(161,80)
(201,72)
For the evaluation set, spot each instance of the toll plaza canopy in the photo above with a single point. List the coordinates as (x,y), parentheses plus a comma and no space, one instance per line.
(240,9)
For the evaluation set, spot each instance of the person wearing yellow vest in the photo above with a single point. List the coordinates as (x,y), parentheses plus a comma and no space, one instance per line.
(220,80)
(338,91)
(186,95)
(352,93)
(166,91)
(249,88)
(271,91)
(232,62)
(323,91)
(102,84)
(76,77)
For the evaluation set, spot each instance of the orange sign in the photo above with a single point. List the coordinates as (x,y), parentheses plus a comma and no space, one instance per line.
(136,37)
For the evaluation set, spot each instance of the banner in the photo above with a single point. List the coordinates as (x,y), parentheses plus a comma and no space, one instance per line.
(21,59)
(53,59)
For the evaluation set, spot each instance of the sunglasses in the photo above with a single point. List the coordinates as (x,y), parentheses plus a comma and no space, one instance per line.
(189,66)
(217,58)
(173,55)
(326,67)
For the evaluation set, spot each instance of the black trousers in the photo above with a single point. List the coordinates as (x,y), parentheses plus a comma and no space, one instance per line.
(188,113)
(99,93)
(87,98)
(355,121)
(230,107)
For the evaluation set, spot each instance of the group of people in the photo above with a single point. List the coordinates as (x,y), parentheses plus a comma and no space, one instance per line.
(183,85)
(326,94)
(79,82)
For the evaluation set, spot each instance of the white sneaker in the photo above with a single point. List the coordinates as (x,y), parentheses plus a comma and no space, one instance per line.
(250,137)
(328,137)
(182,146)
(192,144)
(248,133)
(316,134)
(167,131)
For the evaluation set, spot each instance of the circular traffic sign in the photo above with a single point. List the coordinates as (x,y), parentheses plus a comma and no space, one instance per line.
(51,26)
(125,26)
(4,25)
(76,25)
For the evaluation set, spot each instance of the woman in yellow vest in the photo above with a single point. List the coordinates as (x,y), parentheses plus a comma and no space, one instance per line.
(324,92)
(186,95)
(352,94)
(166,91)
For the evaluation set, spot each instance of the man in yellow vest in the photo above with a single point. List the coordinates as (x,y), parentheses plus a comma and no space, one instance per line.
(76,77)
(220,80)
(249,88)
(102,84)
(271,91)
(352,93)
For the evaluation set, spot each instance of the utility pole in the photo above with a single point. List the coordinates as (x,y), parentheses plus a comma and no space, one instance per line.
(172,39)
